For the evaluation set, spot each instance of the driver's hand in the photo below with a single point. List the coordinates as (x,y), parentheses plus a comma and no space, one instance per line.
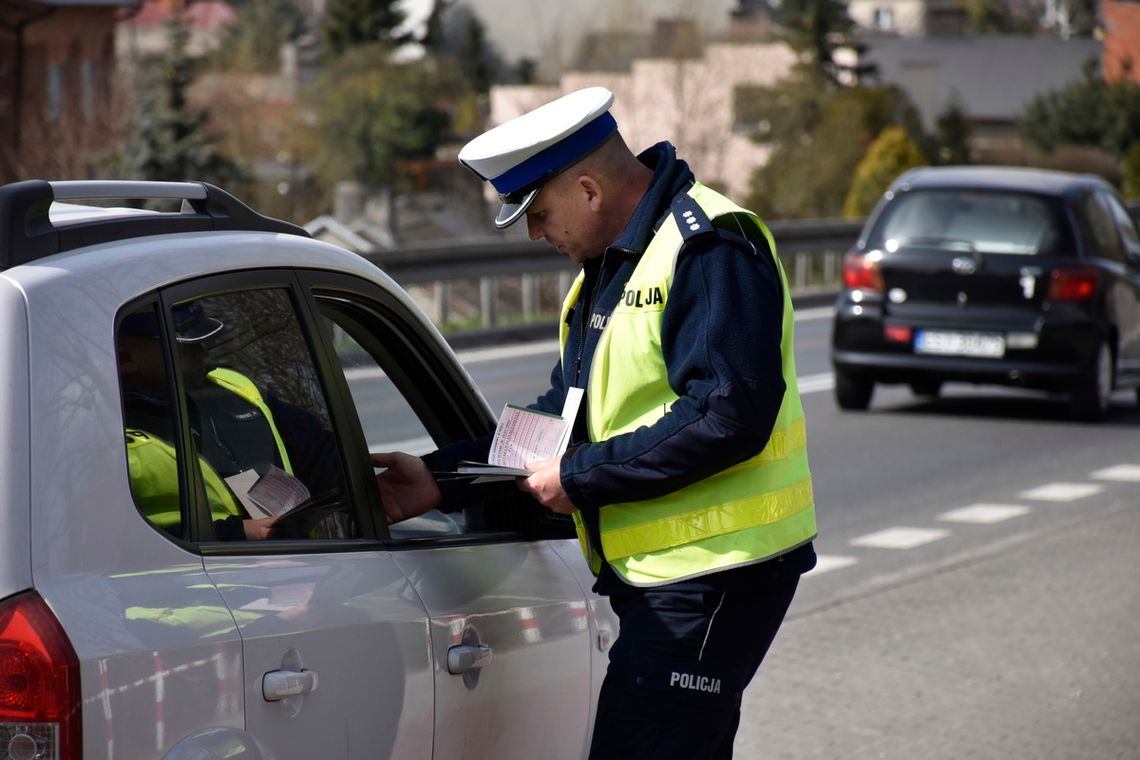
(407,487)
(258,530)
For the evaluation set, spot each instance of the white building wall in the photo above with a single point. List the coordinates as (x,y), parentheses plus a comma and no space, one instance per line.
(909,15)
(688,102)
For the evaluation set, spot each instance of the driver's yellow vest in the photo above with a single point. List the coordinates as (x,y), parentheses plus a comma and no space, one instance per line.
(244,388)
(750,512)
(153,467)
(153,463)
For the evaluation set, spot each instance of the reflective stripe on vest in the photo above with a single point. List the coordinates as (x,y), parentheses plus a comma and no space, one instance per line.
(755,510)
(242,386)
(153,467)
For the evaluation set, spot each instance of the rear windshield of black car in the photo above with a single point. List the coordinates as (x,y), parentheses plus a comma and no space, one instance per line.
(973,220)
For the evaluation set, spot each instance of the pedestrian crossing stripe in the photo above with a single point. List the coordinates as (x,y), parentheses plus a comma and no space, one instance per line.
(828,562)
(1125,473)
(900,538)
(984,514)
(1062,491)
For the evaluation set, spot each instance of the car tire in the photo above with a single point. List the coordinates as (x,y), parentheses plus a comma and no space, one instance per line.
(926,388)
(853,392)
(1089,401)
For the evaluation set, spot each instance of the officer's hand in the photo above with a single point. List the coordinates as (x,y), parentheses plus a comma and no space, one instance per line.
(545,484)
(407,487)
(258,530)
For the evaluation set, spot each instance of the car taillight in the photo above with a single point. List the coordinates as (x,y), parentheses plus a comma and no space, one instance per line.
(1073,284)
(39,683)
(861,271)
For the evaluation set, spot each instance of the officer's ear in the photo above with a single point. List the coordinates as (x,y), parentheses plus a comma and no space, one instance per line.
(591,191)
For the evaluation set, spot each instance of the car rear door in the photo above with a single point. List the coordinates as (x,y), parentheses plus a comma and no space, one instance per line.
(512,635)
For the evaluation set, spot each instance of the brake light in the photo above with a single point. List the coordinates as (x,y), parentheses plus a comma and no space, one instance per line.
(897,333)
(861,271)
(39,683)
(1073,284)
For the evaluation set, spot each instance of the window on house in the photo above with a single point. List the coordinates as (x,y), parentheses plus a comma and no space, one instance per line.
(884,19)
(54,93)
(89,83)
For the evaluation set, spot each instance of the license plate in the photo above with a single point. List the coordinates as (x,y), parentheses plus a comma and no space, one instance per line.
(953,343)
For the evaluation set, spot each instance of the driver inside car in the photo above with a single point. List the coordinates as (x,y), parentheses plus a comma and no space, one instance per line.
(240,433)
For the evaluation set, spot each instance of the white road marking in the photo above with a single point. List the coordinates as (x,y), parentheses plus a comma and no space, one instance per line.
(819,312)
(828,562)
(1061,491)
(984,514)
(1125,473)
(824,381)
(900,538)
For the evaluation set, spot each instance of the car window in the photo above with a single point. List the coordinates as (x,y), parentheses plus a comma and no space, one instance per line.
(149,420)
(1102,232)
(250,410)
(393,400)
(1124,222)
(970,220)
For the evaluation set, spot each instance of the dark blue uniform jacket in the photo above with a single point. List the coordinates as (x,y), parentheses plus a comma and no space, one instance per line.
(721,339)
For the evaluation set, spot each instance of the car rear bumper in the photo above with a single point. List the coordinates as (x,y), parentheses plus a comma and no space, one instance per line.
(1066,345)
(909,368)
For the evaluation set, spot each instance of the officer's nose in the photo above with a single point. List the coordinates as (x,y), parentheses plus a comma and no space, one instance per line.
(534,228)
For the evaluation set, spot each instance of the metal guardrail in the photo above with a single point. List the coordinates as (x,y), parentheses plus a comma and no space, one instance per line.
(486,284)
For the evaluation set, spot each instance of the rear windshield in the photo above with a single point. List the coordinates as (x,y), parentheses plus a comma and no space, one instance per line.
(971,220)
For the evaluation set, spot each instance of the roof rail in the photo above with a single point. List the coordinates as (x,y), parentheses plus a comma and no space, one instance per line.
(27,233)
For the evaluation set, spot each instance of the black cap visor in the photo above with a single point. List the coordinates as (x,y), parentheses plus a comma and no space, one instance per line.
(514,206)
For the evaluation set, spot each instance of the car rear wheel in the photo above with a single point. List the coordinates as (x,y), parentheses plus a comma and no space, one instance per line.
(1089,401)
(853,391)
(926,388)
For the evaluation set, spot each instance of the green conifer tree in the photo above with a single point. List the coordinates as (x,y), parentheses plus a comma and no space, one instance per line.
(168,138)
(353,23)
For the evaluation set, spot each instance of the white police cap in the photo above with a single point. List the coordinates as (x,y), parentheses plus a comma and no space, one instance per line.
(518,156)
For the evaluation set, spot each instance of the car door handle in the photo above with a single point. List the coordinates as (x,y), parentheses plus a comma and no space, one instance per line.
(467,657)
(279,684)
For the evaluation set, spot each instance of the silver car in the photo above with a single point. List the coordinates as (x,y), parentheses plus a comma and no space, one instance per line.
(158,613)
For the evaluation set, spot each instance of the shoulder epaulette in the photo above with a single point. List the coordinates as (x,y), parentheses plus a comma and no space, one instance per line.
(690,217)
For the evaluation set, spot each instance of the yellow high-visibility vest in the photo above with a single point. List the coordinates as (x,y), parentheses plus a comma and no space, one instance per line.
(244,388)
(153,463)
(750,512)
(153,467)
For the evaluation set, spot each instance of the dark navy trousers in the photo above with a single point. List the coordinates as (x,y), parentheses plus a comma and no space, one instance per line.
(678,669)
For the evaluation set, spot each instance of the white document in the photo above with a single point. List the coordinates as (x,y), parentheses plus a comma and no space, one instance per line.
(269,495)
(524,436)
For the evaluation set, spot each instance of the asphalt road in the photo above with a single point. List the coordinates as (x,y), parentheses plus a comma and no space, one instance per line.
(977,593)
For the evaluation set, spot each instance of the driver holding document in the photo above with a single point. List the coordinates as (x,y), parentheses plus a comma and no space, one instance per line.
(687,473)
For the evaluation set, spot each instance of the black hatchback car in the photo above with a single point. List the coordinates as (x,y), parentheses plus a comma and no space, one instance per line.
(993,275)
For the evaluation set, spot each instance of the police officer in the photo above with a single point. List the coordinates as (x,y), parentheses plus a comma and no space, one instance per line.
(687,476)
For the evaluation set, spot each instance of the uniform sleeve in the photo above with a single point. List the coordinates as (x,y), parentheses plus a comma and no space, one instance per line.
(721,335)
